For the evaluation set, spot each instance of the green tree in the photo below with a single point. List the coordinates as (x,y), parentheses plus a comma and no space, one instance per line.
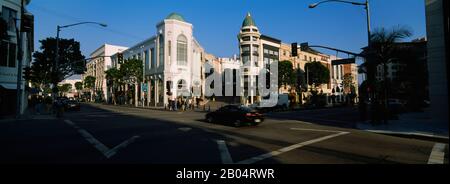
(317,73)
(64,88)
(114,77)
(301,80)
(133,69)
(382,50)
(79,87)
(46,90)
(89,83)
(70,61)
(348,82)
(286,74)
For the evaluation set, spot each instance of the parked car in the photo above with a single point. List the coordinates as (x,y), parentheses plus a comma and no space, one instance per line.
(236,115)
(73,105)
(63,100)
(282,103)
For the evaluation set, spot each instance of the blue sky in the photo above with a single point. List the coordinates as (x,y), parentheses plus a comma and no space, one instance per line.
(217,22)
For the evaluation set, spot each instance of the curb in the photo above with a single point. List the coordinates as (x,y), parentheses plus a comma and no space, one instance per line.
(134,107)
(441,138)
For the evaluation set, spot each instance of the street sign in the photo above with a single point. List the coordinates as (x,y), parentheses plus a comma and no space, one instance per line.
(144,87)
(343,61)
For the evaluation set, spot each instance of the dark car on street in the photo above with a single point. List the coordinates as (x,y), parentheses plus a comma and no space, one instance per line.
(73,105)
(235,115)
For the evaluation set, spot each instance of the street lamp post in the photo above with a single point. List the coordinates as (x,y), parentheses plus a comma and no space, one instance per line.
(56,62)
(367,7)
(365,4)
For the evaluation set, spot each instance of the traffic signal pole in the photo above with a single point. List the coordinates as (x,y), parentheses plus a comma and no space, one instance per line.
(19,65)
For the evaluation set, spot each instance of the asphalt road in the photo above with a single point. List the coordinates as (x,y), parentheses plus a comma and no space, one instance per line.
(111,134)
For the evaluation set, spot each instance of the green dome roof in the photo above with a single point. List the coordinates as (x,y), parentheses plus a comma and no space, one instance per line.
(248,21)
(175,16)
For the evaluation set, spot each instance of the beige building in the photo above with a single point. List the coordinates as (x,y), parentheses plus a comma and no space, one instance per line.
(73,92)
(304,57)
(99,63)
(259,50)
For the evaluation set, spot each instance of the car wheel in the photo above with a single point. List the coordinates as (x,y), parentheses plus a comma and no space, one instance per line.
(210,119)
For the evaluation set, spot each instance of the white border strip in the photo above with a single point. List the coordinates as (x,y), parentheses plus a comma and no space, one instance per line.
(224,153)
(437,154)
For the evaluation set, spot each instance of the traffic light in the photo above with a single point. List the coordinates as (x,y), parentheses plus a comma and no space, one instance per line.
(304,46)
(27,73)
(120,58)
(294,49)
(27,24)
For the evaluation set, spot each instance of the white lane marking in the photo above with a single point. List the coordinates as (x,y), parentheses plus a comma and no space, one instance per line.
(185,129)
(108,153)
(437,154)
(317,130)
(290,148)
(122,145)
(224,153)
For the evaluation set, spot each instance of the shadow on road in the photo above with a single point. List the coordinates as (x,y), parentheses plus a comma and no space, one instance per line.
(345,117)
(160,142)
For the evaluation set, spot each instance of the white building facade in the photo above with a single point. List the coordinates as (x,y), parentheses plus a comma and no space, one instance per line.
(100,62)
(9,55)
(256,52)
(172,62)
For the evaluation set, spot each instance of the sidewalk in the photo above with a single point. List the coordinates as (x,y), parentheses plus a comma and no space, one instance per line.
(29,115)
(409,124)
(201,109)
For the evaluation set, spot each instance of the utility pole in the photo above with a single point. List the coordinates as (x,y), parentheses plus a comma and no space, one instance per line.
(55,65)
(19,63)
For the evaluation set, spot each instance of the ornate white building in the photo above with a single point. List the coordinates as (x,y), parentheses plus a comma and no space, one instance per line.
(172,60)
(256,51)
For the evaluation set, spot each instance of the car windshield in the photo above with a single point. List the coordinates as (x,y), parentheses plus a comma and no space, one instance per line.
(246,109)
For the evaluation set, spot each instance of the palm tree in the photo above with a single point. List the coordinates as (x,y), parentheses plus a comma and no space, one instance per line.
(382,50)
(113,76)
(133,69)
(89,83)
(79,87)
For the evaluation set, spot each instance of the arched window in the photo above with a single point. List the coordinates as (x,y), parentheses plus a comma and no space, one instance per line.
(182,84)
(182,50)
